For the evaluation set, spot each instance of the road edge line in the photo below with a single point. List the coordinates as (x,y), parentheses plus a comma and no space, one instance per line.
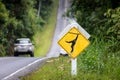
(5,78)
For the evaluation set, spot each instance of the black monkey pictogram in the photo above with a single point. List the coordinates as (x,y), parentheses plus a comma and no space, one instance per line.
(73,43)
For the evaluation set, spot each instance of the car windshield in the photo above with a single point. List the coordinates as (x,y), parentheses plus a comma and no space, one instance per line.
(22,41)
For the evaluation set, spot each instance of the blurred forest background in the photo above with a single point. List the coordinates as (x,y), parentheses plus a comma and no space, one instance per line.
(21,18)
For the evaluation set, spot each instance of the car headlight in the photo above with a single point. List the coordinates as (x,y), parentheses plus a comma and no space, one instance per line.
(30,48)
(15,48)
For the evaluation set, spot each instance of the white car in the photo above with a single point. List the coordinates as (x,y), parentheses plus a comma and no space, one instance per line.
(23,46)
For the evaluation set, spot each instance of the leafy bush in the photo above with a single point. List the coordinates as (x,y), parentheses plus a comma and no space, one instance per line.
(2,50)
(113,28)
(91,60)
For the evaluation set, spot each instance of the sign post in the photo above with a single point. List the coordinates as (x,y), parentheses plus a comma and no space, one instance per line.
(74,39)
(74,67)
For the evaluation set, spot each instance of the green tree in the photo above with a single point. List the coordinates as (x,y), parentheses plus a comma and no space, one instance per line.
(3,21)
(18,18)
(45,8)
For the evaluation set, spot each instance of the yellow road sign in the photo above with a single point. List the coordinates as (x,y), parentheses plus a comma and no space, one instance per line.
(73,42)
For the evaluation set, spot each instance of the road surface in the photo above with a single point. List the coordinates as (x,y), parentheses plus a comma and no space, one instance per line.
(13,67)
(61,24)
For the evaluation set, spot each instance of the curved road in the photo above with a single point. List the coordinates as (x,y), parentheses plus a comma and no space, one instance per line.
(13,67)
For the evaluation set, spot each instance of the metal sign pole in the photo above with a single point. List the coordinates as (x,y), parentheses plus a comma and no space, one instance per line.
(74,67)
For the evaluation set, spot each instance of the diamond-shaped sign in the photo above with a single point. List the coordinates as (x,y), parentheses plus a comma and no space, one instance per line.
(73,42)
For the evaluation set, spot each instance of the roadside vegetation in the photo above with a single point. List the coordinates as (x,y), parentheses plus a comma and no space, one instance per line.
(60,69)
(21,19)
(101,60)
(101,18)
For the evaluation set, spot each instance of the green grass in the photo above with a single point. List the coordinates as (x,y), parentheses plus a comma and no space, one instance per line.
(60,69)
(43,39)
(53,70)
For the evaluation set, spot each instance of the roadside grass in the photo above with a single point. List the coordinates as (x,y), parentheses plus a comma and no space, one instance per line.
(60,69)
(94,63)
(53,70)
(43,37)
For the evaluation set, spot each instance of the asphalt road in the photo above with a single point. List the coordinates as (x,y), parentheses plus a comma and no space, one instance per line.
(60,25)
(13,67)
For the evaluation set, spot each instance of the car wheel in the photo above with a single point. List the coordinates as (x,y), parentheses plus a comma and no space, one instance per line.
(31,54)
(15,54)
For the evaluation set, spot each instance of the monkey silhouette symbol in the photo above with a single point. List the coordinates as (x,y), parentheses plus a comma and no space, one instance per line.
(73,42)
